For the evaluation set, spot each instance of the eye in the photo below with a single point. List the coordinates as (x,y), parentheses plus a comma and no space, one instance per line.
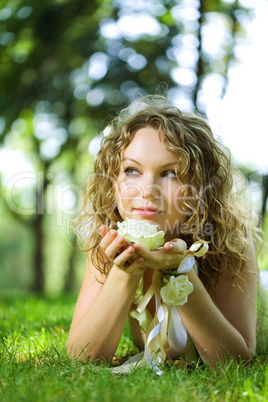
(131,172)
(170,174)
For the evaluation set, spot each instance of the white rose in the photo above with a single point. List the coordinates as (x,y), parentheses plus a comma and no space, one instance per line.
(142,233)
(176,291)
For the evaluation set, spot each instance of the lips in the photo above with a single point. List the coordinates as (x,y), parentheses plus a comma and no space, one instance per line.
(147,211)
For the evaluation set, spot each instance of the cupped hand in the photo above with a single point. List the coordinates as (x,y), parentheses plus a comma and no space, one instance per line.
(163,258)
(120,252)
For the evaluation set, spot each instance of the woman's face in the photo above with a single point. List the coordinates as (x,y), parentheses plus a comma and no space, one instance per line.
(148,188)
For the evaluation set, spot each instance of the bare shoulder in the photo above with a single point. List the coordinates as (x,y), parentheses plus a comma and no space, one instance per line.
(91,286)
(247,282)
(238,302)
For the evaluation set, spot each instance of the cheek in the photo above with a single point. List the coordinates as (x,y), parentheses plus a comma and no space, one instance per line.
(127,191)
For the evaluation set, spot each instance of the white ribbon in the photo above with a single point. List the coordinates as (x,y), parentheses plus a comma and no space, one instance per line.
(155,331)
(185,266)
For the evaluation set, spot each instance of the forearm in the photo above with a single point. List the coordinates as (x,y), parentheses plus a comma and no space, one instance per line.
(98,333)
(213,335)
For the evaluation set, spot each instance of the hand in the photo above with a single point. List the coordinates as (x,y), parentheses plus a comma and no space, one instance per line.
(120,252)
(163,258)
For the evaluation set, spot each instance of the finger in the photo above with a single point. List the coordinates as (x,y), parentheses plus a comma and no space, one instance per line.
(134,256)
(136,267)
(115,247)
(143,252)
(104,229)
(177,246)
(108,239)
(123,257)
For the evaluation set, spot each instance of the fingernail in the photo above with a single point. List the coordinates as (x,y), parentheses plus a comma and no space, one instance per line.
(113,233)
(170,245)
(139,260)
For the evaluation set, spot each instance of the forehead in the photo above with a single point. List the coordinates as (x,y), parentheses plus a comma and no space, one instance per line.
(147,150)
(145,138)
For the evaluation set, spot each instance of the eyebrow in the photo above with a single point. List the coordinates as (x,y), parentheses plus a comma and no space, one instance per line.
(163,166)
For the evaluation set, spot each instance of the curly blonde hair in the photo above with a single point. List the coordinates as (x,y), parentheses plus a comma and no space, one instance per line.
(213,188)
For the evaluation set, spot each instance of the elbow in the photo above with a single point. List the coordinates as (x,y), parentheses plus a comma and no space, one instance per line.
(75,352)
(245,356)
(250,349)
(221,355)
(85,353)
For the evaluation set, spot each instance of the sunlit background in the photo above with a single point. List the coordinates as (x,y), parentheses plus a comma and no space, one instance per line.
(240,117)
(68,67)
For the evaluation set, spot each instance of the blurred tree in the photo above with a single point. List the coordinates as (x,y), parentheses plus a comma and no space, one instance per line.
(40,46)
(69,65)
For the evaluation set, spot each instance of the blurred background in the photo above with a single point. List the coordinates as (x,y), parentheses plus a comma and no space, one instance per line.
(68,66)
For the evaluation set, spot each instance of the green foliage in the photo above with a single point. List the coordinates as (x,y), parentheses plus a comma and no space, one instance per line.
(68,66)
(47,48)
(16,249)
(34,365)
(263,261)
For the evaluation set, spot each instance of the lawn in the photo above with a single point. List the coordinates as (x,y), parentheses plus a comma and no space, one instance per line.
(34,365)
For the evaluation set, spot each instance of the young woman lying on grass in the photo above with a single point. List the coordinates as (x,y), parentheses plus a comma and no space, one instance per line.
(164,167)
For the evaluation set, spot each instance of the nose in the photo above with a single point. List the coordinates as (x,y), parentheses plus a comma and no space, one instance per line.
(150,189)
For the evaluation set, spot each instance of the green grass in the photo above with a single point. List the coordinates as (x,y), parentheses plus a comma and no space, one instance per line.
(34,365)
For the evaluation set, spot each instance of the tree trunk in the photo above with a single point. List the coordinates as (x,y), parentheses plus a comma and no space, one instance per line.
(38,229)
(39,275)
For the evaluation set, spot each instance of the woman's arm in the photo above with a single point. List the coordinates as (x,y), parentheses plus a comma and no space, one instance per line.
(102,308)
(225,323)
